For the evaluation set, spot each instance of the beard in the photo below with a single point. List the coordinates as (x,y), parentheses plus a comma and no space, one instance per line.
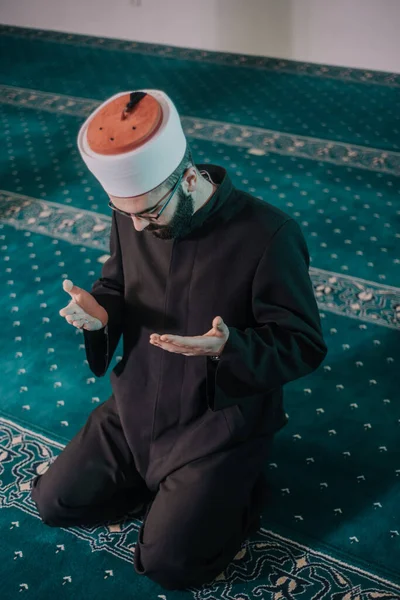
(179,225)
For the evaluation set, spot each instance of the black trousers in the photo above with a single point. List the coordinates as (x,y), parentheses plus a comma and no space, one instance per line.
(194,523)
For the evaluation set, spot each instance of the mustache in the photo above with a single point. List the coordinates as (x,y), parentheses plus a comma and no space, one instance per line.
(153,227)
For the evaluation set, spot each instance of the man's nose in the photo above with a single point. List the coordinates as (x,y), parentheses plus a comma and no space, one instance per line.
(139,224)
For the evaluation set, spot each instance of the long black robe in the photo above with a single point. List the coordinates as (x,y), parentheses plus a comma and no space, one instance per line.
(187,436)
(244,260)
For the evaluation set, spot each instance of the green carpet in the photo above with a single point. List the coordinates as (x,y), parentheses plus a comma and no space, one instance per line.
(322,143)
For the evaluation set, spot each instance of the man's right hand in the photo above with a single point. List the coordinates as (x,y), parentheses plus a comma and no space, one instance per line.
(83,312)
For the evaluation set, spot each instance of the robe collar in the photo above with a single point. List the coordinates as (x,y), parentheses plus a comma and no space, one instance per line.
(218,201)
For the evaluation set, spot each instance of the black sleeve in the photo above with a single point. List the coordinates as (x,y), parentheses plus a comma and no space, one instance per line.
(287,342)
(109,292)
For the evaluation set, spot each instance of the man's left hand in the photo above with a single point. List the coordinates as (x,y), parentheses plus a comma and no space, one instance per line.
(210,344)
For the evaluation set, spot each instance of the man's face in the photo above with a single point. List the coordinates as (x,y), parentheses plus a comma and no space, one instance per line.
(179,221)
(175,218)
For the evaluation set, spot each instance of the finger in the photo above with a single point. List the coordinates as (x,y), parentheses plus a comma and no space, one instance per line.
(64,311)
(185,350)
(179,347)
(168,347)
(70,288)
(71,319)
(168,339)
(79,322)
(179,340)
(199,344)
(67,285)
(72,309)
(219,325)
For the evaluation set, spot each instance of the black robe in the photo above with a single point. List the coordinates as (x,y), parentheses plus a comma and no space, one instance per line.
(244,260)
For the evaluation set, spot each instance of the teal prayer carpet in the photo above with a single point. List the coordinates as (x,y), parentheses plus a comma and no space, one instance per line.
(321,143)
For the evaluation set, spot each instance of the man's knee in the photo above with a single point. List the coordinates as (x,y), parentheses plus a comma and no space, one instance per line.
(160,567)
(174,568)
(47,504)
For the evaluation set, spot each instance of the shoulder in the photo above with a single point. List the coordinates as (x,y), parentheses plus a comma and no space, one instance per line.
(264,219)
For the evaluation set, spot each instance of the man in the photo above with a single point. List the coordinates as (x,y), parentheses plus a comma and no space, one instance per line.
(209,288)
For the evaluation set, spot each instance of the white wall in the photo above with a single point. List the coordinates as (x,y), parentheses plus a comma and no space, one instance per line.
(354,33)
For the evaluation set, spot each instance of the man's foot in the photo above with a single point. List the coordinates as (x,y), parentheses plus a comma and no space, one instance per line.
(138,511)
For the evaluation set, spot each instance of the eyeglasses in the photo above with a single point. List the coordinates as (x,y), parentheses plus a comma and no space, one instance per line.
(149,215)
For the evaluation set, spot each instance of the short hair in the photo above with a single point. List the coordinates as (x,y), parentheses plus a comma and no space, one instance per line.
(186,163)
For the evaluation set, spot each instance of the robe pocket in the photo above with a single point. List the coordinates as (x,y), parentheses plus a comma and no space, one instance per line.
(234,419)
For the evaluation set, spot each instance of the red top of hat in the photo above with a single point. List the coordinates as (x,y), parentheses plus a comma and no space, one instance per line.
(116,128)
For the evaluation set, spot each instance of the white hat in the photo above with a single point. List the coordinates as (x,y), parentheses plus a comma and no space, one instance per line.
(133,142)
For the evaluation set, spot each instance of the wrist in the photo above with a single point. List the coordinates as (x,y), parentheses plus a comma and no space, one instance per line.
(104,318)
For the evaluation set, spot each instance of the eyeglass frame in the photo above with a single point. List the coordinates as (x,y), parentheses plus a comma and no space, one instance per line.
(151,218)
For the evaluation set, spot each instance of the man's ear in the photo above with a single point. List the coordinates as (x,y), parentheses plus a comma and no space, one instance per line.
(191,179)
